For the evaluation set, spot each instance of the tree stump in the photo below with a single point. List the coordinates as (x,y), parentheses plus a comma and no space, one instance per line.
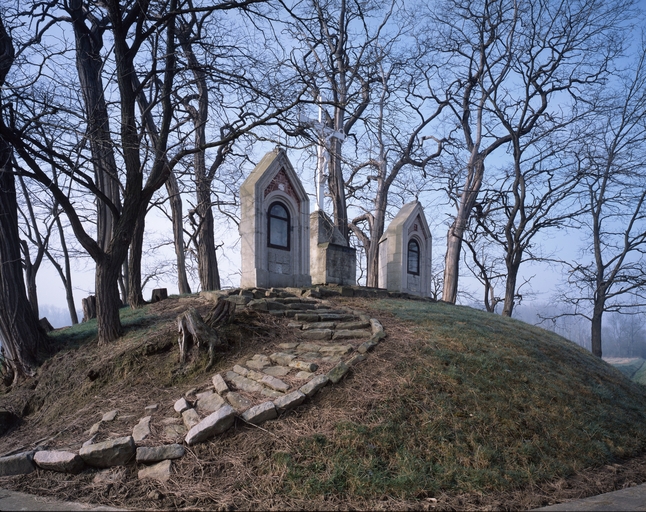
(159,294)
(89,308)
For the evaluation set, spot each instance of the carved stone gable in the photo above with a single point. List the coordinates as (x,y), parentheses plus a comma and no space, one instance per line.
(281,182)
(415,226)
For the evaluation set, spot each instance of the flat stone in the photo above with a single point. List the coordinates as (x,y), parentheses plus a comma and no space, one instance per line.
(261,357)
(190,418)
(151,408)
(353,325)
(64,462)
(113,452)
(95,428)
(306,317)
(357,358)
(274,383)
(310,356)
(308,347)
(243,384)
(376,326)
(288,346)
(277,371)
(181,405)
(210,403)
(319,325)
(281,358)
(254,375)
(303,375)
(110,416)
(366,346)
(295,325)
(274,305)
(240,370)
(337,373)
(350,334)
(331,359)
(335,317)
(314,385)
(174,432)
(205,394)
(238,402)
(289,401)
(214,424)
(260,413)
(302,365)
(158,453)
(258,364)
(160,471)
(219,384)
(257,305)
(141,430)
(317,334)
(18,464)
(270,393)
(336,349)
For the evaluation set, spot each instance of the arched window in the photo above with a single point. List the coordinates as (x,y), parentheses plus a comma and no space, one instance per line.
(278,226)
(413,257)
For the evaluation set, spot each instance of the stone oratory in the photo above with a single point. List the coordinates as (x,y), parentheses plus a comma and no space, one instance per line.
(405,253)
(274,225)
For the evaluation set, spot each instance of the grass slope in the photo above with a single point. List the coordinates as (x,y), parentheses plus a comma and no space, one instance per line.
(454,402)
(478,403)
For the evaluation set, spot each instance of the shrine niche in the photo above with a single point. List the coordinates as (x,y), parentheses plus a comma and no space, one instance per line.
(405,253)
(274,225)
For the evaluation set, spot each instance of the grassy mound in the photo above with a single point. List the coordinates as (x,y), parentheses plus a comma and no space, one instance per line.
(456,404)
(628,366)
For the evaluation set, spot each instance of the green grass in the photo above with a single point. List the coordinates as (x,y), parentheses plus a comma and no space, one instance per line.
(483,403)
(630,368)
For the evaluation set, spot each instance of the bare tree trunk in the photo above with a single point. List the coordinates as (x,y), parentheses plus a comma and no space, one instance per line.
(30,278)
(135,293)
(178,232)
(207,261)
(595,338)
(67,277)
(107,300)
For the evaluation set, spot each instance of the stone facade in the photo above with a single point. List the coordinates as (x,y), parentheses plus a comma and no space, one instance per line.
(331,260)
(274,225)
(405,253)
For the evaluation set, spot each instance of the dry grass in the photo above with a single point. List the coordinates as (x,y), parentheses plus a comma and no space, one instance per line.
(458,406)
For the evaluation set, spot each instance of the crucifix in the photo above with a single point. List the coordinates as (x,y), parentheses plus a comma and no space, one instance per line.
(325,134)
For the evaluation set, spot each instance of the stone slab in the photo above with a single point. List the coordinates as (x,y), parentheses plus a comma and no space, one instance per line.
(238,402)
(308,347)
(304,366)
(181,405)
(319,325)
(277,371)
(270,393)
(306,317)
(190,418)
(61,461)
(303,375)
(240,370)
(260,413)
(336,349)
(110,415)
(219,384)
(367,346)
(160,471)
(281,358)
(212,425)
(337,373)
(289,401)
(210,403)
(18,464)
(314,385)
(357,358)
(350,334)
(355,324)
(317,334)
(142,429)
(274,383)
(113,452)
(158,453)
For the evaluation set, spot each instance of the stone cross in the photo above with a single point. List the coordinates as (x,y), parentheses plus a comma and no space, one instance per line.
(325,134)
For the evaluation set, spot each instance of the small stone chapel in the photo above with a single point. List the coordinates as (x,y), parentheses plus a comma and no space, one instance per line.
(405,253)
(274,225)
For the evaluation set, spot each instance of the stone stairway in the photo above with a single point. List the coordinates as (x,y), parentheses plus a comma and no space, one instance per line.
(329,343)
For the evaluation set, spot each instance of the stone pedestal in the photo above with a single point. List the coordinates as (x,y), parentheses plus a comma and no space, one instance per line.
(331,260)
(405,253)
(274,225)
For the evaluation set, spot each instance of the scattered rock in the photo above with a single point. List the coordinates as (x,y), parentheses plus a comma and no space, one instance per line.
(219,384)
(240,370)
(243,384)
(210,403)
(238,402)
(274,383)
(270,393)
(260,413)
(282,358)
(18,464)
(308,347)
(95,428)
(314,385)
(357,358)
(254,375)
(151,408)
(181,405)
(113,452)
(190,418)
(302,365)
(204,394)
(158,453)
(289,401)
(303,375)
(336,349)
(160,471)
(65,462)
(376,326)
(212,425)
(174,432)
(288,346)
(110,416)
(258,362)
(277,371)
(366,346)
(142,429)
(337,373)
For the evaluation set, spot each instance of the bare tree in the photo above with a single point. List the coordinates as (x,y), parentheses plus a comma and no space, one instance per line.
(20,334)
(611,274)
(514,58)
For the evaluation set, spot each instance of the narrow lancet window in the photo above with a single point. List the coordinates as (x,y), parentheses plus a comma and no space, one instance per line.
(413,257)
(278,226)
